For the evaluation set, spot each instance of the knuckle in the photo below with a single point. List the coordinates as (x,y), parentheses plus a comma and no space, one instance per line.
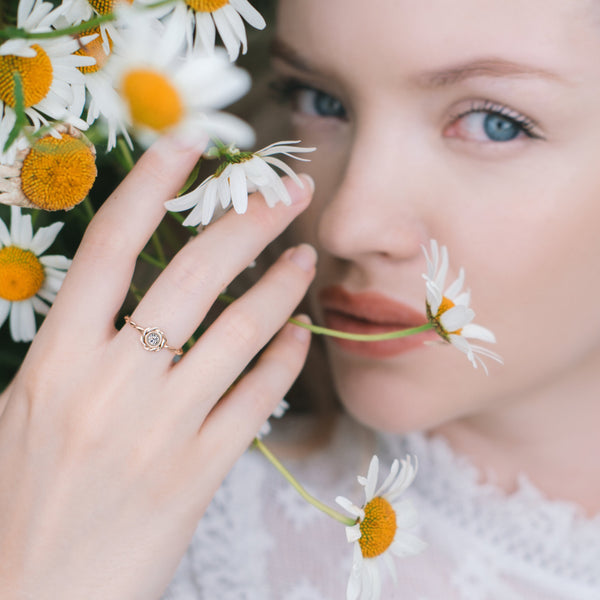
(185,275)
(241,327)
(97,245)
(260,397)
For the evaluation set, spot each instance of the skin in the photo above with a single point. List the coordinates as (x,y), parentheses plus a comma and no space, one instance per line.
(520,216)
(98,438)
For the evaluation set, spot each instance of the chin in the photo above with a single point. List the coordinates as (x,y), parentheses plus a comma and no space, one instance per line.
(400,398)
(402,410)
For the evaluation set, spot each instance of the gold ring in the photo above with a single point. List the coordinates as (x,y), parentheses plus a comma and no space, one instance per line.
(153,339)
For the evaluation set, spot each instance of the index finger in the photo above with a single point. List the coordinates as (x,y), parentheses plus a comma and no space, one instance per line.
(104,263)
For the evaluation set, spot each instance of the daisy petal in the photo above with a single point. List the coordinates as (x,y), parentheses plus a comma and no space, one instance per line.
(372,478)
(239,190)
(249,13)
(4,310)
(44,238)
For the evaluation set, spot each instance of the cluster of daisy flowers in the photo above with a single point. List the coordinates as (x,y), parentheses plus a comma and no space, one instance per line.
(135,70)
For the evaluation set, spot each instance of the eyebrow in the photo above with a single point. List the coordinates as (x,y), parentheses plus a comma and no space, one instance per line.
(485,67)
(282,50)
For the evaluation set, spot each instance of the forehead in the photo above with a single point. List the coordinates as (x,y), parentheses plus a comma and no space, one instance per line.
(381,36)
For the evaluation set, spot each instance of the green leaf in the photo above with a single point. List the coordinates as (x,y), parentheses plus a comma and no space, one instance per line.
(19,109)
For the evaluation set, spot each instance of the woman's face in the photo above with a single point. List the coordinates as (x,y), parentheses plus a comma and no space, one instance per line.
(473,123)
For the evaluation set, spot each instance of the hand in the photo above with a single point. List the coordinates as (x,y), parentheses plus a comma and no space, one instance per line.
(109,454)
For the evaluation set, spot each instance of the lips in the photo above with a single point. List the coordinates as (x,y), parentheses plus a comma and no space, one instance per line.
(371,313)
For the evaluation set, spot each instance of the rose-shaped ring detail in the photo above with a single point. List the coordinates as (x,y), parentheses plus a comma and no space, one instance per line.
(153,339)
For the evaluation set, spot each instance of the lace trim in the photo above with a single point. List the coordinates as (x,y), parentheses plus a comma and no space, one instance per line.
(222,555)
(543,540)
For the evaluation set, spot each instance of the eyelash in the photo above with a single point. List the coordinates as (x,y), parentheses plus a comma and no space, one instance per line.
(286,89)
(527,125)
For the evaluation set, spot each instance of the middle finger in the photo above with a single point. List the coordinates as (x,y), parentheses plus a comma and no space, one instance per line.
(184,292)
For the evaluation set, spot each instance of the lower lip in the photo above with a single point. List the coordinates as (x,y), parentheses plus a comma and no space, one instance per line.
(381,349)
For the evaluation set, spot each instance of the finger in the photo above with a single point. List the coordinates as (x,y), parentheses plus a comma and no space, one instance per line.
(234,422)
(103,266)
(182,295)
(235,338)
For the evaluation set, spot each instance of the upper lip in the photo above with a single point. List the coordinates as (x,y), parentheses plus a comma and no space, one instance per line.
(370,306)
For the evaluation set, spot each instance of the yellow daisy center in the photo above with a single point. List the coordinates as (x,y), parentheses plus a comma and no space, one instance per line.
(153,100)
(378,528)
(36,77)
(105,7)
(57,174)
(206,5)
(21,274)
(445,305)
(93,49)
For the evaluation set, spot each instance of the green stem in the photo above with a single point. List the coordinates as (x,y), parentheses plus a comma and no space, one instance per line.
(159,4)
(334,514)
(159,249)
(128,161)
(188,345)
(136,293)
(362,337)
(88,208)
(152,261)
(226,298)
(180,219)
(358,337)
(15,32)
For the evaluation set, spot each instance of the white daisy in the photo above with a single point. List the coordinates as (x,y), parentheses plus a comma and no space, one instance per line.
(98,42)
(74,12)
(449,311)
(51,84)
(279,411)
(28,281)
(383,527)
(51,173)
(103,98)
(243,173)
(162,91)
(205,17)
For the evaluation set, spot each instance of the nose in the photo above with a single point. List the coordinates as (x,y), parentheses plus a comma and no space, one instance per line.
(376,209)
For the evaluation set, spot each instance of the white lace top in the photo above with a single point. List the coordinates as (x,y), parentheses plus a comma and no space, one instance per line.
(260,541)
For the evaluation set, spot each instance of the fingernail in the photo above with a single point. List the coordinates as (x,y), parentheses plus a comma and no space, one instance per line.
(300,333)
(309,181)
(299,194)
(189,141)
(305,256)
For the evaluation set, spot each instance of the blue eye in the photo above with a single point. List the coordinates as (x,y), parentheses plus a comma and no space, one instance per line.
(311,101)
(308,100)
(491,123)
(501,129)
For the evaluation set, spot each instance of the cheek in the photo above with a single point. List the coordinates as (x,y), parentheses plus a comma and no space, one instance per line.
(534,278)
(327,168)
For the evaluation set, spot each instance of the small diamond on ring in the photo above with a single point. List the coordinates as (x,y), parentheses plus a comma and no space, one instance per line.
(153,339)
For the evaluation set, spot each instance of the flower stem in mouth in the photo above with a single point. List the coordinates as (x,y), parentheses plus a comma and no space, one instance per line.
(358,337)
(363,337)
